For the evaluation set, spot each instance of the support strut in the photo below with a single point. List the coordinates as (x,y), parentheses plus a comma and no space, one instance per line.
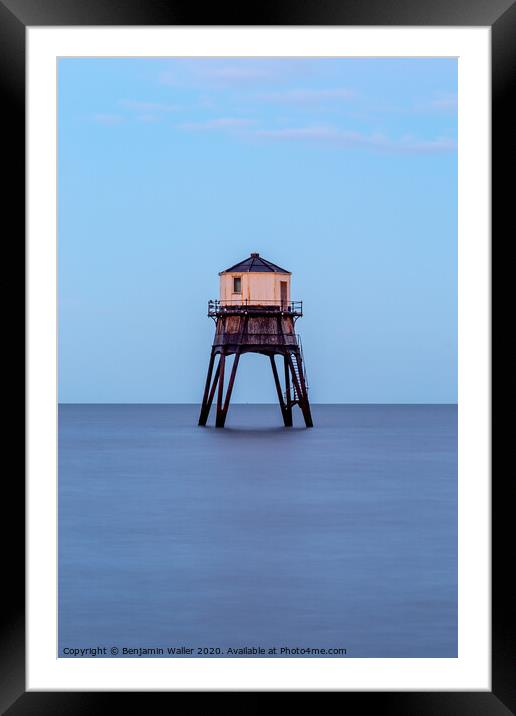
(294,379)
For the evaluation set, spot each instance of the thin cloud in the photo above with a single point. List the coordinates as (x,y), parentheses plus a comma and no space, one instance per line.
(236,73)
(148,118)
(220,123)
(424,146)
(308,96)
(147,107)
(348,139)
(108,119)
(168,77)
(445,102)
(230,74)
(226,75)
(146,112)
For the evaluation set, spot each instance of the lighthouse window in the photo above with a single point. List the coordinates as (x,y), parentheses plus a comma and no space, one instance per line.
(237,285)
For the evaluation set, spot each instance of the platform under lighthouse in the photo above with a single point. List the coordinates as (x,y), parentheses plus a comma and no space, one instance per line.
(255,314)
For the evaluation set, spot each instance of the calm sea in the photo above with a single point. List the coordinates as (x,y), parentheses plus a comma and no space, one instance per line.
(258,536)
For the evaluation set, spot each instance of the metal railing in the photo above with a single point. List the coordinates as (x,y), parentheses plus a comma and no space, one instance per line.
(220,306)
(256,338)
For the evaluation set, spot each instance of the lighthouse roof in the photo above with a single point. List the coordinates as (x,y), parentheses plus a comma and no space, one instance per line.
(255,263)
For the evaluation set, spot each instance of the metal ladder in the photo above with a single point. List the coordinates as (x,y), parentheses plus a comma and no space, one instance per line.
(294,394)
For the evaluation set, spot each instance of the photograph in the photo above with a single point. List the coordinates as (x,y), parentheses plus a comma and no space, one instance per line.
(257,362)
(258,265)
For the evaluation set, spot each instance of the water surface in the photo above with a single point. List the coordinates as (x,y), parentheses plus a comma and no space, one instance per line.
(342,536)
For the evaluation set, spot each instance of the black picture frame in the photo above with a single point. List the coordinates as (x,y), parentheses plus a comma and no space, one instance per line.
(500,15)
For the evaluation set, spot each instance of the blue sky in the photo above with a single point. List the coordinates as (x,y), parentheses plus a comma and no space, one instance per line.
(344,171)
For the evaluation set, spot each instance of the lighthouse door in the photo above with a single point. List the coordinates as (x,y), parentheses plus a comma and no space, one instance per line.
(283,289)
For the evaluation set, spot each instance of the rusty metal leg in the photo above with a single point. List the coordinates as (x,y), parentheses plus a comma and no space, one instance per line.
(206,405)
(278,390)
(219,420)
(203,416)
(288,407)
(229,390)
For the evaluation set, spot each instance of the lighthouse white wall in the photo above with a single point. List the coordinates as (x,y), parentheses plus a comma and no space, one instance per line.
(257,287)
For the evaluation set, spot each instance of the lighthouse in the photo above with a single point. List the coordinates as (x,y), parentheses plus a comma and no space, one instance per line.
(255,314)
